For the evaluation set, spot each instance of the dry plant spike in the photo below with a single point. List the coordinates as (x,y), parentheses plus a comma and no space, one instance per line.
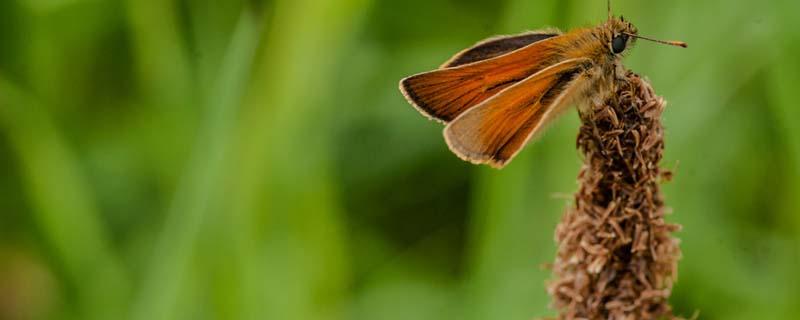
(617,258)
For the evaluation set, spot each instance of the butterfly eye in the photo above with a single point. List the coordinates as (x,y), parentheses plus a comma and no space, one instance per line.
(618,43)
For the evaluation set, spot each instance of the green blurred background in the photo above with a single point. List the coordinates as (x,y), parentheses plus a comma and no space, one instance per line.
(190,159)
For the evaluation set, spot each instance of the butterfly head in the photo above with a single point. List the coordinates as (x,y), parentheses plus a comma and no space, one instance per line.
(619,35)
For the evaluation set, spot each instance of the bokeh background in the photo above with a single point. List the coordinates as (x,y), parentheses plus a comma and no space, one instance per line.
(197,159)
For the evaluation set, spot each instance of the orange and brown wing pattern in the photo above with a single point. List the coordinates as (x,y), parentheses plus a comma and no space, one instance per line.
(494,131)
(445,94)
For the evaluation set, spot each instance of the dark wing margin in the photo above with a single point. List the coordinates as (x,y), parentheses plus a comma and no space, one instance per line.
(497,46)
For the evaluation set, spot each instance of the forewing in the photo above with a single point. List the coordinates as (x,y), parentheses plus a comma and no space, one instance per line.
(494,131)
(498,46)
(446,93)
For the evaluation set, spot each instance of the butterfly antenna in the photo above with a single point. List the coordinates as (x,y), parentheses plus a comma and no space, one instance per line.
(610,15)
(671,43)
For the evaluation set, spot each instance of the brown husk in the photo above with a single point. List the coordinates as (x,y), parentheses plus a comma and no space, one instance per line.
(616,256)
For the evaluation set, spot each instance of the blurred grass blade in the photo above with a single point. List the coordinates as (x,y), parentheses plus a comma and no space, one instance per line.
(784,81)
(63,205)
(284,201)
(199,188)
(163,69)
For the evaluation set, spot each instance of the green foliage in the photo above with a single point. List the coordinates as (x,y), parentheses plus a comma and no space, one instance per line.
(255,160)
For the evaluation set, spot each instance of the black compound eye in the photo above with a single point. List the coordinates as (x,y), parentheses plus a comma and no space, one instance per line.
(618,43)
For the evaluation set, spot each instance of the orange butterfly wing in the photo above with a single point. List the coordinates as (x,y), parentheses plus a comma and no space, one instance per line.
(446,93)
(494,131)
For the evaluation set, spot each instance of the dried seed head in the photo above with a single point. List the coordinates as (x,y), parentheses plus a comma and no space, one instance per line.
(616,256)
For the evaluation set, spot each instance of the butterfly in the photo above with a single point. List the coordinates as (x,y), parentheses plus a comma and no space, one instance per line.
(494,96)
